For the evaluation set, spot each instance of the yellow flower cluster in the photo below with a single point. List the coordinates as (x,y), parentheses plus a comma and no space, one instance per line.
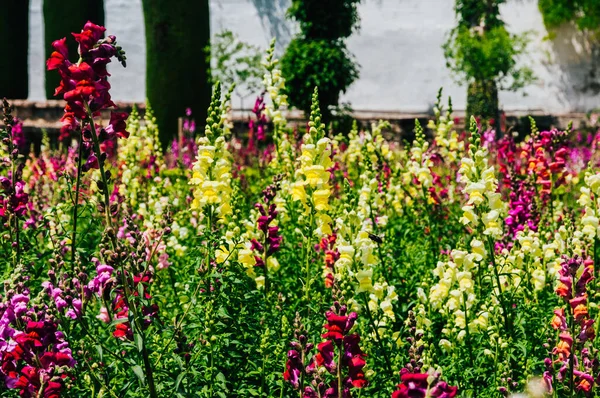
(527,264)
(311,186)
(275,86)
(420,164)
(445,137)
(178,233)
(357,250)
(589,199)
(141,148)
(480,185)
(211,172)
(454,294)
(382,297)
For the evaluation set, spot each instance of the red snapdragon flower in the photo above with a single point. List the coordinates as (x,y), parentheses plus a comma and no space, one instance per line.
(416,385)
(84,84)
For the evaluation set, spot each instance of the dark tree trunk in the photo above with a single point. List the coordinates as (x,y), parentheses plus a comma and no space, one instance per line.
(14,46)
(61,17)
(177,66)
(482,102)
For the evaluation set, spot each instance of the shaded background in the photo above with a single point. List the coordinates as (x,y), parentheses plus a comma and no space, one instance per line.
(398,48)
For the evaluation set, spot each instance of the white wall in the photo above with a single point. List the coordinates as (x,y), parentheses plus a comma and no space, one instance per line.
(398,48)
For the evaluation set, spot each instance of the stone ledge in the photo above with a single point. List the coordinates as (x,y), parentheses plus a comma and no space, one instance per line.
(45,115)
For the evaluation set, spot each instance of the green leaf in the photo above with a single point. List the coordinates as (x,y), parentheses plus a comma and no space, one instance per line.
(118,321)
(139,341)
(221,377)
(100,352)
(137,369)
(178,380)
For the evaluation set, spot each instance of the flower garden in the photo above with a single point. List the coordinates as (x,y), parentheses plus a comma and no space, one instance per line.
(292,261)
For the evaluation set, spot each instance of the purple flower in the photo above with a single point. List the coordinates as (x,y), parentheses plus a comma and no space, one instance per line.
(293,368)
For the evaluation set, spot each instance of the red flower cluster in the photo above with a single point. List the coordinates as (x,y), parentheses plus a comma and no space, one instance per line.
(84,85)
(123,330)
(13,198)
(257,127)
(268,213)
(339,355)
(327,245)
(573,290)
(524,168)
(104,283)
(416,385)
(339,340)
(33,353)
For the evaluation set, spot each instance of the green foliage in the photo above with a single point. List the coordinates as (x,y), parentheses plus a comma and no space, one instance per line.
(482,99)
(235,62)
(584,13)
(483,54)
(333,20)
(473,56)
(321,63)
(14,31)
(318,55)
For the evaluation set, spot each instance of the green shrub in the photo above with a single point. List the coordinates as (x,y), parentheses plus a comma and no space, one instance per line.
(483,54)
(177,69)
(317,63)
(585,13)
(318,55)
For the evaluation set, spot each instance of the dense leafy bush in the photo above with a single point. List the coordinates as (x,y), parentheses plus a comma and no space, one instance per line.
(483,54)
(318,55)
(317,63)
(585,13)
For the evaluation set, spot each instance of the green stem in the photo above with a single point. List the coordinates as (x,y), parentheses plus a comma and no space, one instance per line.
(96,144)
(308,242)
(468,338)
(339,370)
(266,270)
(507,323)
(75,205)
(212,370)
(137,328)
(148,367)
(377,337)
(262,375)
(572,356)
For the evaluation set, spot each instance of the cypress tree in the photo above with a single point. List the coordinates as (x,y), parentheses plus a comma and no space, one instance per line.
(177,66)
(14,41)
(482,53)
(61,17)
(318,56)
(583,13)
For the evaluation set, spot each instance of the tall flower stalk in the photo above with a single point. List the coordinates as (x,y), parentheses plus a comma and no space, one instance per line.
(84,85)
(13,198)
(311,187)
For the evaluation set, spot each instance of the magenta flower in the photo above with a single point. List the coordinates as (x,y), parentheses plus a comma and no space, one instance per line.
(293,368)
(32,349)
(416,385)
